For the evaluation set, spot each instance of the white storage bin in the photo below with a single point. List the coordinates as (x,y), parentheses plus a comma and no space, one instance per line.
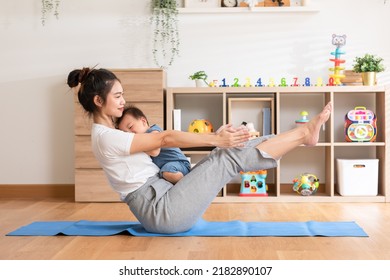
(357,177)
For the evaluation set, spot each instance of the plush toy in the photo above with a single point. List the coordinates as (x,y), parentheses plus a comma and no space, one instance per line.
(251,129)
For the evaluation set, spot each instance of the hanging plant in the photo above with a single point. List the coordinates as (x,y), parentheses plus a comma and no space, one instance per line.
(49,6)
(166,33)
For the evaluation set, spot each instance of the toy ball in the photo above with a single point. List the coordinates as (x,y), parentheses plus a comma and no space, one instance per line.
(200,126)
(306,184)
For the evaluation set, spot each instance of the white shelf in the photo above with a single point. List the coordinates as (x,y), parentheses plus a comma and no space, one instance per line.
(355,144)
(247,10)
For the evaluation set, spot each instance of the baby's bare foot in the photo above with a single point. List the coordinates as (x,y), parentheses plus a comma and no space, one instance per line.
(314,125)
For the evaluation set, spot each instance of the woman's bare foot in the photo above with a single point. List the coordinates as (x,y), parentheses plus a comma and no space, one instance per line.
(314,125)
(308,135)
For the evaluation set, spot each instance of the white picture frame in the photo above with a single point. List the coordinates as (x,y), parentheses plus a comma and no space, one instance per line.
(202,3)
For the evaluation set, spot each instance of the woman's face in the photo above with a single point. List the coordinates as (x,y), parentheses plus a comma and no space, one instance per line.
(115,102)
(131,124)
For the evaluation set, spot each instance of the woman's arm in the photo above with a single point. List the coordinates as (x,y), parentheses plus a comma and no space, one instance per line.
(154,152)
(173,138)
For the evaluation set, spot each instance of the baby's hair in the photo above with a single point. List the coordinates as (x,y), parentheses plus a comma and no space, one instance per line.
(132,111)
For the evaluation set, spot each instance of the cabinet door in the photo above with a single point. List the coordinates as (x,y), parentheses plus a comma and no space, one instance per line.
(154,111)
(92,185)
(142,86)
(82,122)
(84,157)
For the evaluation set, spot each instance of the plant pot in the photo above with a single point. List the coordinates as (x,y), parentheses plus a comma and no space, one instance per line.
(201,83)
(369,78)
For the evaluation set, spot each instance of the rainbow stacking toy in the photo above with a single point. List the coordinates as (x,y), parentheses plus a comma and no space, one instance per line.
(335,77)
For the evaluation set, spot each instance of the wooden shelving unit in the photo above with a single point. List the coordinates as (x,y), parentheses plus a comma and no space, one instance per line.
(212,103)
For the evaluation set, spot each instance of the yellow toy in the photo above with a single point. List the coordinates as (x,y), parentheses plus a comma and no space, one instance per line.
(303,119)
(200,126)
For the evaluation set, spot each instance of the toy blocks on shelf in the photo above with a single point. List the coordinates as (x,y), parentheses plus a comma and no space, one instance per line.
(253,183)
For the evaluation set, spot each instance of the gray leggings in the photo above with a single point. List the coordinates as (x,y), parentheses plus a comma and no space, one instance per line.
(165,208)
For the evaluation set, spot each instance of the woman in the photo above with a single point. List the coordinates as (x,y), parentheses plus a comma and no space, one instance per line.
(158,205)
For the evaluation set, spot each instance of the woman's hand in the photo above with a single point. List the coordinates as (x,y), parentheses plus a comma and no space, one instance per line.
(229,136)
(230,128)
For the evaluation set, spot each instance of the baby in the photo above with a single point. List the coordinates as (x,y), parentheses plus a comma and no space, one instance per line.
(172,162)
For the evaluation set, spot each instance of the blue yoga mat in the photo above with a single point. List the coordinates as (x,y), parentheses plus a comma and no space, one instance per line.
(201,228)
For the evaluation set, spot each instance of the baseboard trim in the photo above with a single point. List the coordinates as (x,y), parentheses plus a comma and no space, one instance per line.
(52,191)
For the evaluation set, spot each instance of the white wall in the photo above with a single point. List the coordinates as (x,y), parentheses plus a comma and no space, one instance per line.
(36,107)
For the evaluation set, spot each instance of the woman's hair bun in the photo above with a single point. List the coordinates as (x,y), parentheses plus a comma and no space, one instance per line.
(78,76)
(73,78)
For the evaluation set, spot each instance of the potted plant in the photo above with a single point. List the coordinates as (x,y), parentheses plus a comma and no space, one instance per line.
(368,65)
(166,34)
(49,6)
(200,78)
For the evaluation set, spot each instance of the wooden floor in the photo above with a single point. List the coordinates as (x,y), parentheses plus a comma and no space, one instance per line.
(374,218)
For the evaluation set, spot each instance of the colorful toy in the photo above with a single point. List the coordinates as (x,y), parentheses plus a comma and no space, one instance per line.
(213,83)
(295,84)
(319,82)
(283,82)
(248,82)
(224,83)
(338,41)
(236,84)
(253,183)
(307,82)
(303,118)
(360,125)
(307,184)
(200,126)
(258,83)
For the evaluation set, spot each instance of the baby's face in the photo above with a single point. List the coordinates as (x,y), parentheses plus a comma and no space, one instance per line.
(131,124)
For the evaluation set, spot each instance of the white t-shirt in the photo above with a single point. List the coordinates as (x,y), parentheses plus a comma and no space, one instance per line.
(125,172)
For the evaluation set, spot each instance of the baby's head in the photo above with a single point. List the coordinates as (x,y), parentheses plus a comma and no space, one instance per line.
(133,120)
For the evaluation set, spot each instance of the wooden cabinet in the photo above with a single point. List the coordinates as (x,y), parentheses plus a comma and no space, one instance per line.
(143,88)
(286,104)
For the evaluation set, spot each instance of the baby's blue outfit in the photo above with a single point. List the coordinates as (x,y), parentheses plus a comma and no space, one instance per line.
(170,159)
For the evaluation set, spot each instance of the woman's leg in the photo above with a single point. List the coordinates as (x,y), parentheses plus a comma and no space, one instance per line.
(177,209)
